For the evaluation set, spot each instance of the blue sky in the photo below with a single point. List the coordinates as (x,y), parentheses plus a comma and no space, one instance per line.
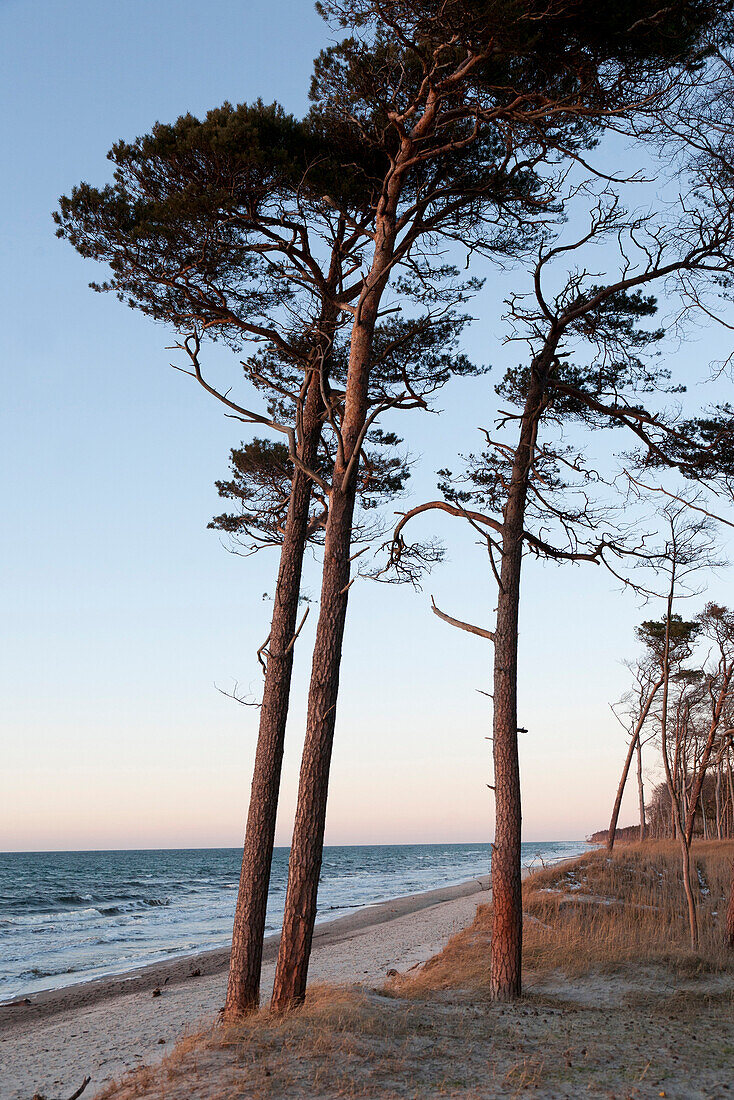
(122,612)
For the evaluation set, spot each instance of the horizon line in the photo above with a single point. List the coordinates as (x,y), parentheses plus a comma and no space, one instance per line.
(277,847)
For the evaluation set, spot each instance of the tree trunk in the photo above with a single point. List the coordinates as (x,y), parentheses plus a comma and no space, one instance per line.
(686,861)
(243,989)
(612,831)
(634,743)
(672,778)
(684,801)
(304,864)
(677,810)
(641,789)
(697,786)
(506,950)
(506,971)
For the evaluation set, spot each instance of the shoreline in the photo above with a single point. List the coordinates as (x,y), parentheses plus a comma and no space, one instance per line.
(48,1003)
(105,1028)
(211,960)
(78,945)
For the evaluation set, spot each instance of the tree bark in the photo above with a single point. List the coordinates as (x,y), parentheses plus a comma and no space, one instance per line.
(304,865)
(506,949)
(641,789)
(612,831)
(697,786)
(506,965)
(692,918)
(676,809)
(243,988)
(635,742)
(730,912)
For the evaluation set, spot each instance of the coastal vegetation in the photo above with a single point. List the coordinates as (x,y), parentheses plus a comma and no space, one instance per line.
(682,705)
(337,257)
(605,914)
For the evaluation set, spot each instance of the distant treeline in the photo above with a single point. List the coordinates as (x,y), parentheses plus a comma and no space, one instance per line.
(714,818)
(630,832)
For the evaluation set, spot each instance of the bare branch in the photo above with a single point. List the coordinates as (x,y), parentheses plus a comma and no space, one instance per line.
(478,630)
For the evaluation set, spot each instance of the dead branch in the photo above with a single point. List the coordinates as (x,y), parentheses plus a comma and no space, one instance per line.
(234,694)
(478,630)
(292,642)
(74,1095)
(260,653)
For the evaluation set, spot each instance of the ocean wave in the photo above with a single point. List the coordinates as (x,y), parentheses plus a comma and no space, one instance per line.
(50,904)
(133,906)
(39,972)
(43,920)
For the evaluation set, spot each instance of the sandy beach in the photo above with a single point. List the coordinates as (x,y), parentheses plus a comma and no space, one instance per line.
(103,1028)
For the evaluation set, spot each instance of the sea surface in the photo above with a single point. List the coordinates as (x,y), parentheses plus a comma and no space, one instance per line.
(71,916)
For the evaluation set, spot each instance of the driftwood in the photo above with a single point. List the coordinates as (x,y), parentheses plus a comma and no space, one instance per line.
(74,1095)
(80,1090)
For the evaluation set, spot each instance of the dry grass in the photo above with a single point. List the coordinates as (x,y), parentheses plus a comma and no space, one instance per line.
(598,914)
(630,908)
(360,1046)
(341,1042)
(435,1034)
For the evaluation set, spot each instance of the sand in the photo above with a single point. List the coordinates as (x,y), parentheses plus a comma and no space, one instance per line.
(103,1028)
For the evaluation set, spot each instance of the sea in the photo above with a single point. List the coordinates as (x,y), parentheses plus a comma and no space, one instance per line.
(68,917)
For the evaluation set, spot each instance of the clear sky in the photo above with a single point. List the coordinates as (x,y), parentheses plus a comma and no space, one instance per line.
(121,612)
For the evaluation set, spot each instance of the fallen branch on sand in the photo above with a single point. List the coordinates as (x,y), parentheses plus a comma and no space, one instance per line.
(74,1095)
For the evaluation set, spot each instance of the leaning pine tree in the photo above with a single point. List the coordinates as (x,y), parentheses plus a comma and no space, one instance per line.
(211,229)
(219,228)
